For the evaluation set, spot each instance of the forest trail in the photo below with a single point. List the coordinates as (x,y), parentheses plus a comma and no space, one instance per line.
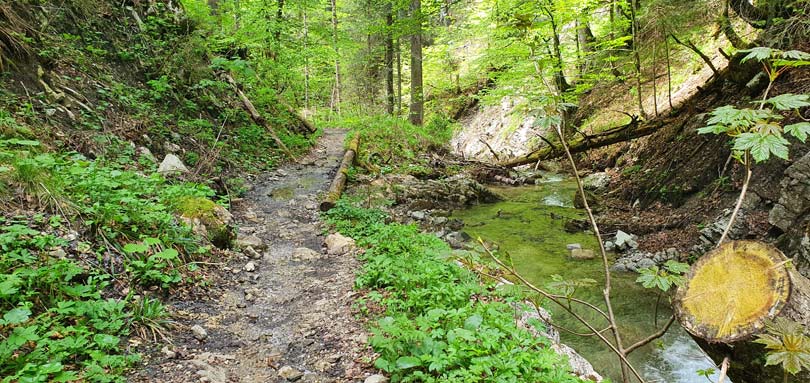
(289,319)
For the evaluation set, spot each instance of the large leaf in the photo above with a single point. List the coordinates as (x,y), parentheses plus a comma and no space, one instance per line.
(406,362)
(757,53)
(762,146)
(788,101)
(800,130)
(16,316)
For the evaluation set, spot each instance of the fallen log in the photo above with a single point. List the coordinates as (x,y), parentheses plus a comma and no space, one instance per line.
(256,116)
(634,129)
(730,295)
(339,182)
(308,126)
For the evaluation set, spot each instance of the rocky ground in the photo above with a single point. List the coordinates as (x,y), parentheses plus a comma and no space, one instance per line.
(282,311)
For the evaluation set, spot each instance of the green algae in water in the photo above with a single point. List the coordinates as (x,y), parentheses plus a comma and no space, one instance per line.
(529,225)
(282,194)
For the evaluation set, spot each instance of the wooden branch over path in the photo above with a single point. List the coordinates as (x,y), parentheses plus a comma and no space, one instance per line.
(339,182)
(256,116)
(634,129)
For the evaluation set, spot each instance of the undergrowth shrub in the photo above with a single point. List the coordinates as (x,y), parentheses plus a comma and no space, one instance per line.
(436,321)
(56,325)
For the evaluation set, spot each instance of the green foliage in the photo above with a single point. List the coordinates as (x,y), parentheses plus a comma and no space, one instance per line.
(151,264)
(663,278)
(440,324)
(116,203)
(390,144)
(786,345)
(56,324)
(759,132)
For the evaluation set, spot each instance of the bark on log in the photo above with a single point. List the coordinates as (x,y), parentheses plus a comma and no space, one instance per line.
(634,129)
(256,116)
(339,182)
(744,283)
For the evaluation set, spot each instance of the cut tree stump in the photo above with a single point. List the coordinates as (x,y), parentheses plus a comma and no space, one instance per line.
(729,295)
(733,290)
(339,182)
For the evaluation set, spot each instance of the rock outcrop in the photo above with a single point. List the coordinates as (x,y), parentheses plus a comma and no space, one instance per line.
(792,214)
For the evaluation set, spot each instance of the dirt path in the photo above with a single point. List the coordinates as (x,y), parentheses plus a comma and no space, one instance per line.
(289,319)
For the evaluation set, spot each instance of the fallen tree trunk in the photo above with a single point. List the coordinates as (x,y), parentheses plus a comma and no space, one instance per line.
(308,126)
(731,294)
(634,129)
(339,182)
(256,116)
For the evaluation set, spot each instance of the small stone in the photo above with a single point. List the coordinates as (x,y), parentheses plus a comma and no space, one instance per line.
(623,240)
(596,181)
(290,373)
(337,244)
(172,164)
(199,332)
(582,254)
(572,246)
(253,254)
(250,267)
(645,263)
(305,254)
(168,352)
(322,365)
(376,378)
(418,215)
(250,241)
(58,253)
(610,246)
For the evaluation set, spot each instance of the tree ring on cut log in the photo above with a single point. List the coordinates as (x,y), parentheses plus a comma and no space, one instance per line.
(733,290)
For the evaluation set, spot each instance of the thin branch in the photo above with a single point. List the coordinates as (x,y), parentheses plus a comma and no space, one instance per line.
(697,50)
(652,337)
(723,370)
(602,251)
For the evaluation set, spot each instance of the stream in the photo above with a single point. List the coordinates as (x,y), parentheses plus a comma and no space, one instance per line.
(529,225)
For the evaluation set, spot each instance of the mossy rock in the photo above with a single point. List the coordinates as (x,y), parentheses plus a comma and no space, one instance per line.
(208,220)
(594,201)
(733,290)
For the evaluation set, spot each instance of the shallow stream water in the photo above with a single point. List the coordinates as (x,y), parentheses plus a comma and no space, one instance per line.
(529,225)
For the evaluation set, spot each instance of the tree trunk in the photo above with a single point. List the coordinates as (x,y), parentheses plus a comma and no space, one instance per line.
(398,54)
(336,92)
(389,59)
(339,182)
(634,129)
(731,293)
(585,41)
(417,94)
(559,73)
(636,56)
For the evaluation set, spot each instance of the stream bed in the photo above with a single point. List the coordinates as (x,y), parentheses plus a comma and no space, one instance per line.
(529,225)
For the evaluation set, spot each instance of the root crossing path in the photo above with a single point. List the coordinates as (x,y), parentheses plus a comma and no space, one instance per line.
(284,313)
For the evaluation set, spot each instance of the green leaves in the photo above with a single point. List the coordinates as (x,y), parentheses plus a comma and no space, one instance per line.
(762,145)
(787,101)
(439,324)
(786,345)
(757,53)
(663,278)
(800,130)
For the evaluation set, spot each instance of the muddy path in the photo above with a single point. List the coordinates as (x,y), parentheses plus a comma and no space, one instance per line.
(282,313)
